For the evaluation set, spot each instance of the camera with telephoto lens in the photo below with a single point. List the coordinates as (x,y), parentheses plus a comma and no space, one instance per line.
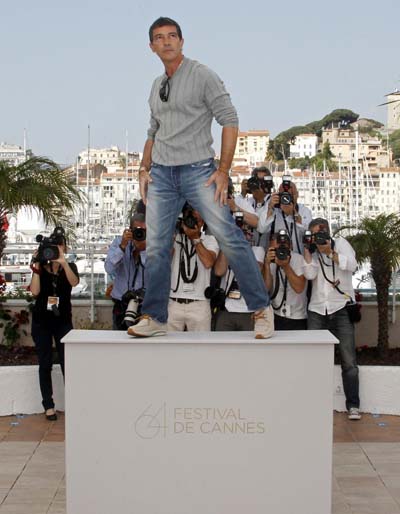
(266,184)
(285,198)
(216,295)
(48,246)
(139,233)
(187,218)
(133,301)
(282,251)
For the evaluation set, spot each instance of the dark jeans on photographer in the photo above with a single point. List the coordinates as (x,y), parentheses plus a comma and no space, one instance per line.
(282,323)
(118,314)
(234,321)
(339,324)
(43,338)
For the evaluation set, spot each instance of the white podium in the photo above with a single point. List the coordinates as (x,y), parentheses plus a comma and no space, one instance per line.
(199,423)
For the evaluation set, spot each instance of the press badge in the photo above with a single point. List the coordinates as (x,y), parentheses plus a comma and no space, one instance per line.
(52,301)
(188,288)
(235,294)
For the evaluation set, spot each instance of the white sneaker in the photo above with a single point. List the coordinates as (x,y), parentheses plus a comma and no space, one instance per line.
(147,327)
(264,323)
(354,413)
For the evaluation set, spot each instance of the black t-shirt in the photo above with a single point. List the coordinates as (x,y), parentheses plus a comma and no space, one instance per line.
(54,285)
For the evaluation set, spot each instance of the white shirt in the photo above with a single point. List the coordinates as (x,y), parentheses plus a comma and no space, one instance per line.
(244,203)
(283,222)
(195,290)
(295,306)
(239,305)
(325,299)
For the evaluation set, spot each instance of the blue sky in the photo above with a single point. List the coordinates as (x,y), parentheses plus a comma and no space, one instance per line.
(69,64)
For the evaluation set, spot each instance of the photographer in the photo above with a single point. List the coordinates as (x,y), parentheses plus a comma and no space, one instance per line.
(285,281)
(125,262)
(194,255)
(330,264)
(232,312)
(52,281)
(285,213)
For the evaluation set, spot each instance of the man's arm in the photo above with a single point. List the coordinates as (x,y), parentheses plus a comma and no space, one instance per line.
(221,175)
(221,265)
(249,217)
(144,170)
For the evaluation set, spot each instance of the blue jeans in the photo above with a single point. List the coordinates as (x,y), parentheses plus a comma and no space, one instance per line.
(343,329)
(167,193)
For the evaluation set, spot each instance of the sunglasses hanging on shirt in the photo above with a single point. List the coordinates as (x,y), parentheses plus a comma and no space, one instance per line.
(165,89)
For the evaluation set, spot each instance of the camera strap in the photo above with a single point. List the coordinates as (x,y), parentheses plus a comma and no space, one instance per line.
(278,279)
(185,256)
(334,283)
(138,264)
(290,231)
(54,278)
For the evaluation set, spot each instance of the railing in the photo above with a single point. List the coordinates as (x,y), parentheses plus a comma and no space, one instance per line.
(89,259)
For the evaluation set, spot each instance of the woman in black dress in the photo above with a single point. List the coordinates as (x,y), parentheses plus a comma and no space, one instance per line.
(52,282)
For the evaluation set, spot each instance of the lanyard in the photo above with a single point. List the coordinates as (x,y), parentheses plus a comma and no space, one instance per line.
(185,256)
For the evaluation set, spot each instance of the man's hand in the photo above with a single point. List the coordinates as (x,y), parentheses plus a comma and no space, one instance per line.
(232,204)
(126,238)
(144,181)
(192,233)
(220,178)
(61,257)
(270,256)
(283,263)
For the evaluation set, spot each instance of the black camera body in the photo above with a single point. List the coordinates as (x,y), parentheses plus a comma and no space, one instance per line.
(285,197)
(48,246)
(187,218)
(216,295)
(311,241)
(132,301)
(282,251)
(266,184)
(321,238)
(239,218)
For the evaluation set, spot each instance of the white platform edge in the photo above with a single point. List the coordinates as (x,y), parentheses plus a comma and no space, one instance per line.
(317,337)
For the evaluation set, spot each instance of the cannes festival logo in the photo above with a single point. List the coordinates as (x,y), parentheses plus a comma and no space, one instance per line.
(206,421)
(152,422)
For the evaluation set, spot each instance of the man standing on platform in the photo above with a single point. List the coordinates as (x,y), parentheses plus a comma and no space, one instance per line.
(178,166)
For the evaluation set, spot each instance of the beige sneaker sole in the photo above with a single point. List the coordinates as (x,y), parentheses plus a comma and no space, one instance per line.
(134,333)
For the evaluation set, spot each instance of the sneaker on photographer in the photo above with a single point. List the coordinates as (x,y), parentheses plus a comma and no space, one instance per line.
(147,327)
(264,323)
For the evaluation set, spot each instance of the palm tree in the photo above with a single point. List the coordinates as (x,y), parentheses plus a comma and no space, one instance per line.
(378,240)
(36,183)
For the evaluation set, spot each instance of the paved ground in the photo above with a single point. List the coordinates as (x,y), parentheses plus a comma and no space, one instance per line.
(366,465)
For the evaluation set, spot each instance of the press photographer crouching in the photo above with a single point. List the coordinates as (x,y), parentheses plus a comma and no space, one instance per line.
(227,302)
(194,254)
(285,281)
(52,281)
(330,264)
(125,262)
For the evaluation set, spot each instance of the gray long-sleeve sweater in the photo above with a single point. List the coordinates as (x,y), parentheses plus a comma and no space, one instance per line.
(181,126)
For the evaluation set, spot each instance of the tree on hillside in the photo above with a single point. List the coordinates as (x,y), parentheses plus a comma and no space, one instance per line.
(394,142)
(378,240)
(36,183)
(337,116)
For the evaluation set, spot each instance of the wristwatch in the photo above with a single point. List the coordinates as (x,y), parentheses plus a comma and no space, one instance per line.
(195,242)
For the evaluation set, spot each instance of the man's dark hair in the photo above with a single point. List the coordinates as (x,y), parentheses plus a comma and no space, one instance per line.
(322,222)
(163,22)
